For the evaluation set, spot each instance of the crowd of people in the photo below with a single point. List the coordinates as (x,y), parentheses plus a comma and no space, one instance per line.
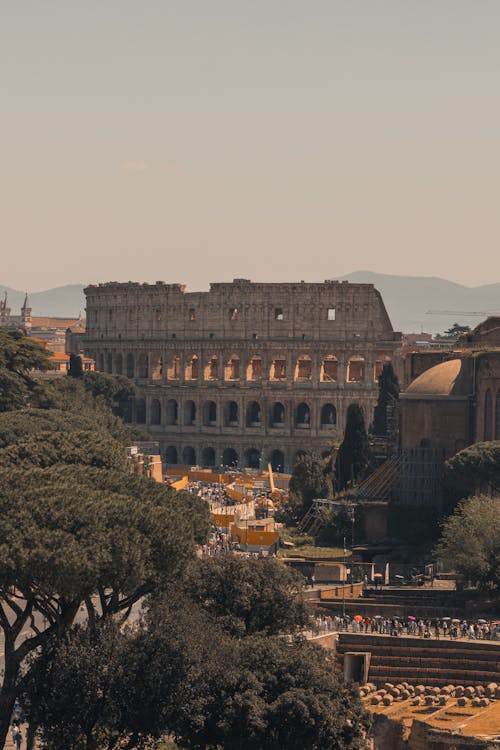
(443,627)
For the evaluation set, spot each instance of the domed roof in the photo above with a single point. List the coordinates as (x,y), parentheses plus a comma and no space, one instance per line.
(451,378)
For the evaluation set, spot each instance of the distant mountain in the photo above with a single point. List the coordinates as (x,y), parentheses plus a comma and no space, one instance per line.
(407,299)
(61,302)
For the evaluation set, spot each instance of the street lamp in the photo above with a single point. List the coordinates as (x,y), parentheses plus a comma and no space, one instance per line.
(344,583)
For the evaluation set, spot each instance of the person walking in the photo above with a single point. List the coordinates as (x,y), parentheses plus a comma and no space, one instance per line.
(16,733)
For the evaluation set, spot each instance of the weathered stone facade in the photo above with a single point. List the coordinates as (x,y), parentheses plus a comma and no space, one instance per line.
(246,373)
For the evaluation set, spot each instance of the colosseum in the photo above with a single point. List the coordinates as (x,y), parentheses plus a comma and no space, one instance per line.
(246,373)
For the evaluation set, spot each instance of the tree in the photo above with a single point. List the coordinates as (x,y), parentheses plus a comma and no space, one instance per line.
(473,469)
(75,366)
(470,541)
(19,356)
(116,390)
(309,480)
(353,454)
(387,400)
(248,596)
(336,524)
(454,332)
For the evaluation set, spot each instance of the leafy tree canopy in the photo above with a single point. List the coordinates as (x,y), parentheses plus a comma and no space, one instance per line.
(19,355)
(470,541)
(310,480)
(473,469)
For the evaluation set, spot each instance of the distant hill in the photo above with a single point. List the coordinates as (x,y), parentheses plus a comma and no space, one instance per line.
(407,299)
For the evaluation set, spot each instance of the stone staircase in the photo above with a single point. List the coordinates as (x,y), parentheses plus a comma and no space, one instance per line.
(426,662)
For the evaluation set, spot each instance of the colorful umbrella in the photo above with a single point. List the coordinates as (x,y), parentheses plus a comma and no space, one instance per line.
(410,617)
(358,618)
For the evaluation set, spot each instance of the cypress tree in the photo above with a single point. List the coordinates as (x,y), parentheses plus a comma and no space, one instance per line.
(388,396)
(353,454)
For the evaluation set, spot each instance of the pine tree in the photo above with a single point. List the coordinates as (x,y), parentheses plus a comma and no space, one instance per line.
(353,454)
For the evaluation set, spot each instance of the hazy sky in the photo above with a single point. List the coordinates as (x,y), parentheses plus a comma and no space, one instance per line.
(201,140)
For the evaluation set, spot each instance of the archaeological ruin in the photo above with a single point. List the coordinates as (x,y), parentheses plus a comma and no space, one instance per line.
(246,373)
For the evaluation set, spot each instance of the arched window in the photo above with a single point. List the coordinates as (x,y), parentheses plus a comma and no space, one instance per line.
(278,368)
(211,370)
(172,412)
(142,364)
(277,415)
(230,458)
(210,414)
(303,417)
(189,413)
(171,454)
(231,414)
(119,364)
(155,412)
(253,414)
(156,366)
(329,369)
(254,369)
(232,368)
(356,369)
(488,416)
(129,366)
(189,456)
(140,411)
(277,460)
(173,367)
(303,368)
(252,458)
(208,457)
(191,372)
(100,363)
(497,416)
(328,417)
(109,363)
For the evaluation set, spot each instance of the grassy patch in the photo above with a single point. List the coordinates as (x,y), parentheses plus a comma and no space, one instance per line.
(309,550)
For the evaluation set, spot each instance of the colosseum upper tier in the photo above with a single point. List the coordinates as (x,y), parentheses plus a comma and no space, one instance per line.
(246,373)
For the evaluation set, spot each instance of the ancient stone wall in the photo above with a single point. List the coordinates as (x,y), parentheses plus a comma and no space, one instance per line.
(245,373)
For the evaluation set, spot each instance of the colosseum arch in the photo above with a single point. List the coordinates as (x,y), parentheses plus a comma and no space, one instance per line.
(189,455)
(277,415)
(254,414)
(189,413)
(277,460)
(155,412)
(140,411)
(303,416)
(254,368)
(488,416)
(230,457)
(156,366)
(192,368)
(208,457)
(232,368)
(211,369)
(303,368)
(356,369)
(231,414)
(172,412)
(171,455)
(119,364)
(329,369)
(328,416)
(173,368)
(109,363)
(252,458)
(278,368)
(209,414)
(100,362)
(142,366)
(382,359)
(130,365)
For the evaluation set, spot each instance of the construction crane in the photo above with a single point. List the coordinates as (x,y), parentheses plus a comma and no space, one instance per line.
(478,313)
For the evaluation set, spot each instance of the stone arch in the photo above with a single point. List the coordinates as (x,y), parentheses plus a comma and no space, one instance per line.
(356,369)
(211,369)
(230,457)
(231,414)
(303,416)
(130,365)
(254,414)
(172,412)
(488,416)
(497,416)
(109,363)
(100,362)
(128,411)
(189,455)
(277,415)
(252,458)
(210,414)
(329,372)
(232,368)
(278,368)
(142,366)
(171,455)
(208,457)
(192,368)
(254,368)
(277,460)
(303,368)
(173,367)
(119,364)
(328,417)
(189,413)
(156,366)
(155,412)
(140,411)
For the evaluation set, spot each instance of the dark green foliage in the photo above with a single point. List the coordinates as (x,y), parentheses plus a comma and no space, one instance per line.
(116,390)
(454,332)
(310,480)
(75,366)
(470,541)
(336,525)
(248,596)
(353,454)
(473,469)
(19,355)
(387,398)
